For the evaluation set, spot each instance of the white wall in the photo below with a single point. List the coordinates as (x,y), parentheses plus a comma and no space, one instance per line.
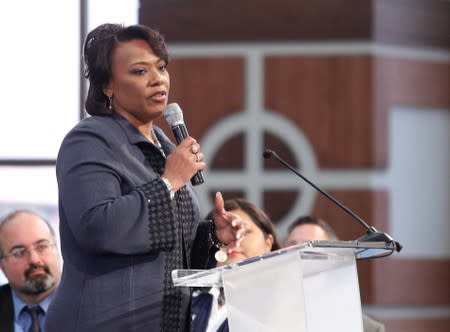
(39,65)
(419,181)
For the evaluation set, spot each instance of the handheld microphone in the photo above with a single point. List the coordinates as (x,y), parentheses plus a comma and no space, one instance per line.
(174,117)
(372,234)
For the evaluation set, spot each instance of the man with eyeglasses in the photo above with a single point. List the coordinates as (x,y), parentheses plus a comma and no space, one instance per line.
(31,262)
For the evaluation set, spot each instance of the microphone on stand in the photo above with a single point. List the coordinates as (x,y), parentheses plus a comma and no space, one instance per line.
(373,235)
(174,117)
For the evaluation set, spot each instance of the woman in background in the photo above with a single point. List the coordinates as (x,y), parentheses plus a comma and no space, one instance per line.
(208,305)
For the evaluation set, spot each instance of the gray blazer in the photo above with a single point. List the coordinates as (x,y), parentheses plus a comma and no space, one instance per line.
(121,234)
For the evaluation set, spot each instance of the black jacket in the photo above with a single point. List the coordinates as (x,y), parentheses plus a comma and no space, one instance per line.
(6,309)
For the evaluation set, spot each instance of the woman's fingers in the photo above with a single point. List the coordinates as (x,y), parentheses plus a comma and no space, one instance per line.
(219,203)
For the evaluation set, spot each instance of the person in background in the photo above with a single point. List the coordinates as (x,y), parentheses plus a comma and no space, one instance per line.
(208,305)
(128,215)
(311,228)
(31,262)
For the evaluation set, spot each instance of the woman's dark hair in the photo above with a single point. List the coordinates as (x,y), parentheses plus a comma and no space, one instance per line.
(258,216)
(97,56)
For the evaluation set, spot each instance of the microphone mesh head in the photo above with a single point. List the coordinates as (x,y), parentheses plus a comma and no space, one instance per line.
(173,115)
(268,153)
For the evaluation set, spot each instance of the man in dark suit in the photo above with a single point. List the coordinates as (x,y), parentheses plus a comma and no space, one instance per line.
(310,228)
(30,260)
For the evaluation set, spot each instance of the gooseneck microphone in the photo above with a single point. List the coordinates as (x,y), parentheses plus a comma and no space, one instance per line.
(372,234)
(174,117)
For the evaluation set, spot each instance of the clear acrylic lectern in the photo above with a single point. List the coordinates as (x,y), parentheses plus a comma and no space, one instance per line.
(307,288)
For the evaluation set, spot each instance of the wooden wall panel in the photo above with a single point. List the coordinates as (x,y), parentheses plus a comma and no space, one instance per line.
(417,325)
(248,20)
(330,98)
(230,155)
(397,22)
(359,201)
(278,203)
(207,89)
(412,22)
(412,281)
(413,81)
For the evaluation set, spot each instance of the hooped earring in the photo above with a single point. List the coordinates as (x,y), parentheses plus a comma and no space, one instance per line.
(110,99)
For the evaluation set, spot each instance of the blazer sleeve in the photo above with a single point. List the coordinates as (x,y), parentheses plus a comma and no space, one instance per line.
(108,197)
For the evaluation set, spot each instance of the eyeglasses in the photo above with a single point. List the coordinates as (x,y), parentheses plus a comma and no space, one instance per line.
(23,253)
